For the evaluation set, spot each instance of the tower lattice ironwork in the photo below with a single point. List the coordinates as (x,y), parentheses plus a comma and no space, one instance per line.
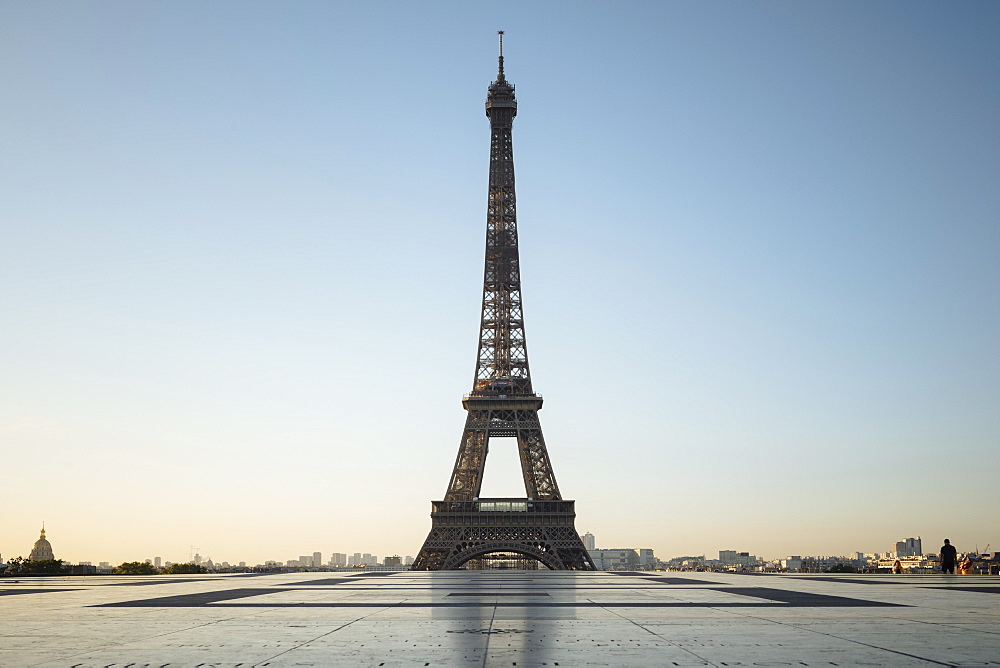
(502,402)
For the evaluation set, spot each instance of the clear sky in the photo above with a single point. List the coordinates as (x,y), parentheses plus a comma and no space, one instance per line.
(242,249)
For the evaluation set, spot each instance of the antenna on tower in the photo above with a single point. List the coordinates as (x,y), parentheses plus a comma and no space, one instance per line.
(500,75)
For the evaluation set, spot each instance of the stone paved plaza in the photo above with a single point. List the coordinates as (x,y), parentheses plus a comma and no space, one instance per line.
(501,618)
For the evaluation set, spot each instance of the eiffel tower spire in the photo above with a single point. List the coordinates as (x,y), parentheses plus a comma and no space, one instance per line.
(502,402)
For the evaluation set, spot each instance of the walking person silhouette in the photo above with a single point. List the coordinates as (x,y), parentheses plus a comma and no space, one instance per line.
(948,557)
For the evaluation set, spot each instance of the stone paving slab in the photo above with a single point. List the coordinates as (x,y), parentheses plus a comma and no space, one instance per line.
(498,618)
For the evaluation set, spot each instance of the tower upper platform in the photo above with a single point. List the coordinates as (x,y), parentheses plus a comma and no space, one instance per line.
(501,106)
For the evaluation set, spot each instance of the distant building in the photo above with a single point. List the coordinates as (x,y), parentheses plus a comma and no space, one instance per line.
(338,560)
(910,547)
(42,551)
(734,558)
(646,558)
(407,560)
(615,559)
(686,562)
(317,559)
(383,567)
(394,560)
(914,564)
(82,569)
(589,541)
(156,562)
(817,564)
(792,563)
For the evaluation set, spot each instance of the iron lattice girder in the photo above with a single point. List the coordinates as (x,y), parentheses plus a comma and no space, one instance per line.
(502,417)
(503,352)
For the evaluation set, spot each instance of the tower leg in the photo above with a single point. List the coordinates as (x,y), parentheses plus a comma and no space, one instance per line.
(467,476)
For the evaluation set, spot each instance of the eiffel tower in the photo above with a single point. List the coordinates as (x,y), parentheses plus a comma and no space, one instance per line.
(464,527)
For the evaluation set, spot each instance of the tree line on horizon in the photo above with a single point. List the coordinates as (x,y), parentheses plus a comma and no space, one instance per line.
(19,566)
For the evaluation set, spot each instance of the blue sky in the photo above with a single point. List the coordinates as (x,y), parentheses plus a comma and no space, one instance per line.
(243,251)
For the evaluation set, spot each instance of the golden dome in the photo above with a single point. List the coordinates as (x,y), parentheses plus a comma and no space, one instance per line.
(42,551)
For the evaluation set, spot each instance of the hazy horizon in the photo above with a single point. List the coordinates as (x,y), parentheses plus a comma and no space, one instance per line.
(242,266)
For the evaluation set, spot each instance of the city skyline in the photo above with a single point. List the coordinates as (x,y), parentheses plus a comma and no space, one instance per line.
(765,233)
(907,547)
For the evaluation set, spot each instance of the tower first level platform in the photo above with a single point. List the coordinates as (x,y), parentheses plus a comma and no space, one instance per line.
(462,531)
